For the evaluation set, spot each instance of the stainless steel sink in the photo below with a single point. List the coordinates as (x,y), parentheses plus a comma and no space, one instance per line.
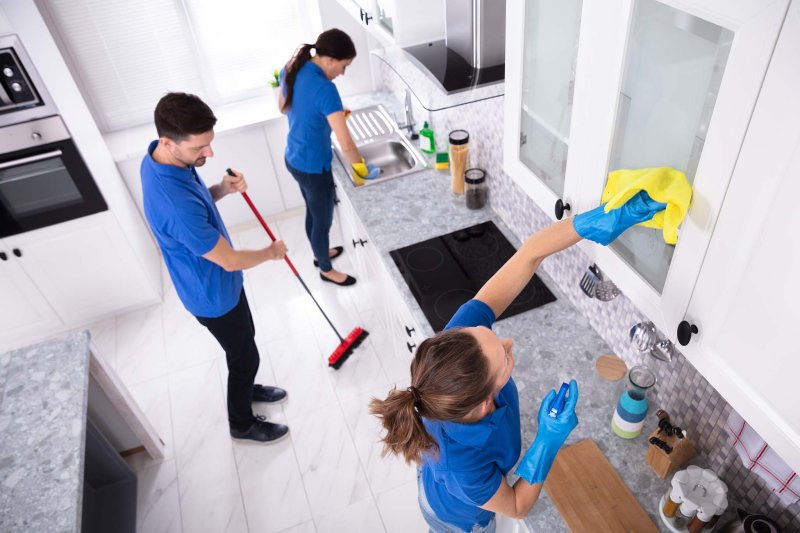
(380,142)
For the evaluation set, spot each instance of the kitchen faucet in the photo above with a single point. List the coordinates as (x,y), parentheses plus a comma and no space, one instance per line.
(409,117)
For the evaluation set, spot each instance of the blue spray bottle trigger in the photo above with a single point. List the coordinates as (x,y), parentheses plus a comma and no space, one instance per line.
(561,399)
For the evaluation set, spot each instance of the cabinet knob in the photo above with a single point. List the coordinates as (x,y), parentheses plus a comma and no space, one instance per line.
(685,331)
(560,208)
(17,252)
(3,256)
(410,347)
(409,330)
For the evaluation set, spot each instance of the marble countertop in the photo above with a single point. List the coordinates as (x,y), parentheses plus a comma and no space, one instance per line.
(43,400)
(552,343)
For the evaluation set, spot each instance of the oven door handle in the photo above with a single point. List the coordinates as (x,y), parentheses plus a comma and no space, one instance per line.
(30,159)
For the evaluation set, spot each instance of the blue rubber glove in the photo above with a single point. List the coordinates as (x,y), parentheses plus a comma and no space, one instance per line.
(601,227)
(550,436)
(372,172)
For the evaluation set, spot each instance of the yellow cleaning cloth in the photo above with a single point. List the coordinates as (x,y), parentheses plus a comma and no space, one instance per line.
(663,184)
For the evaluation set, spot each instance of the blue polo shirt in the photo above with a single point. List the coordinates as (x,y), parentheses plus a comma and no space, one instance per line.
(186,224)
(308,146)
(473,458)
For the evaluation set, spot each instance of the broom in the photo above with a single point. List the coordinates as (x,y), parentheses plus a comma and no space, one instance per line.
(346,344)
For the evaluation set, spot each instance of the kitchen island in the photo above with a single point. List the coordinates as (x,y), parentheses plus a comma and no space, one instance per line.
(43,402)
(552,343)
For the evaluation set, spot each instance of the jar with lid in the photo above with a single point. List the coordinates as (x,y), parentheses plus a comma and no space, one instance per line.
(685,514)
(631,409)
(475,188)
(459,157)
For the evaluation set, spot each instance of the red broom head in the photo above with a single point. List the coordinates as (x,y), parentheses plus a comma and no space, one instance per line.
(346,347)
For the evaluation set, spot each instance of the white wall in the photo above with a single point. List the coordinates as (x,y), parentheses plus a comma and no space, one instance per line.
(358,78)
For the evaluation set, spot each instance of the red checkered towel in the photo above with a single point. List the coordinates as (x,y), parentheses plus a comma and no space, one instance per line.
(758,457)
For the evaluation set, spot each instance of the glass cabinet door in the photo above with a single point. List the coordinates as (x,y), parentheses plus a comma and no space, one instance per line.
(550,45)
(385,15)
(672,74)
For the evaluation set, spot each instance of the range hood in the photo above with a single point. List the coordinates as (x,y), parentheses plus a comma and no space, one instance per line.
(473,51)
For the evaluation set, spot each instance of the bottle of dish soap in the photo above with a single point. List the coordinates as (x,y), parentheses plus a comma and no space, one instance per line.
(426,142)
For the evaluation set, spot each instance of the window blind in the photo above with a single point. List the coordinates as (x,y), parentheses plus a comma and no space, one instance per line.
(126,54)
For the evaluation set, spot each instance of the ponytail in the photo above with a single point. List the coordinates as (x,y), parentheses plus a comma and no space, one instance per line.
(331,43)
(450,377)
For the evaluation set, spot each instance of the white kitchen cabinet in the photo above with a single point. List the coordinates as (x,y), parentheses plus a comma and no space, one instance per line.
(670,83)
(393,331)
(23,309)
(400,23)
(745,304)
(81,270)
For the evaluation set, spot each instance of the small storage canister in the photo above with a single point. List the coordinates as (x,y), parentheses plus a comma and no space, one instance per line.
(475,188)
(686,512)
(459,156)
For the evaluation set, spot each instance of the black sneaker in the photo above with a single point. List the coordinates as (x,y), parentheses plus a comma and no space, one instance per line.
(262,431)
(268,394)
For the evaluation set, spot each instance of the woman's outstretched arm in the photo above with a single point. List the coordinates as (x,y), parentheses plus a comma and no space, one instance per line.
(508,282)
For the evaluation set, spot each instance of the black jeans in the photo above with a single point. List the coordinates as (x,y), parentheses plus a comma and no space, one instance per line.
(236,332)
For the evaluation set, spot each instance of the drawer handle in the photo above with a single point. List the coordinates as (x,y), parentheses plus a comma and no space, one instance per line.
(685,331)
(362,242)
(410,347)
(409,330)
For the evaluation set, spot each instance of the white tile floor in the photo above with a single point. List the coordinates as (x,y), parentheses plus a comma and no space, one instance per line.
(328,476)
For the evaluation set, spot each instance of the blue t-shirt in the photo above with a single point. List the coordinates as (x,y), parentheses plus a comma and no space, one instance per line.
(473,458)
(186,224)
(308,146)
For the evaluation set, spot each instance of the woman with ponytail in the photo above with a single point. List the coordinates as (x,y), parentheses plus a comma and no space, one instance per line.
(459,420)
(312,103)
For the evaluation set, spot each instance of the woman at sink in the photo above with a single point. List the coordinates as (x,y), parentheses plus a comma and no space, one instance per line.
(312,104)
(460,419)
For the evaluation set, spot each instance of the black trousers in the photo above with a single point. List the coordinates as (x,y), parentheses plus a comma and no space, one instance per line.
(236,332)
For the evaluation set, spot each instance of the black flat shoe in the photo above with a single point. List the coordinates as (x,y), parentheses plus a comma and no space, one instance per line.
(261,431)
(339,251)
(268,394)
(349,281)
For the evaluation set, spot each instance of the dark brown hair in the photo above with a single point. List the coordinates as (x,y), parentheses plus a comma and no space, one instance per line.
(332,43)
(179,115)
(450,376)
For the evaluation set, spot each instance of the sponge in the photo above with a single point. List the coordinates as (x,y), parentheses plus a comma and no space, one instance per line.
(442,161)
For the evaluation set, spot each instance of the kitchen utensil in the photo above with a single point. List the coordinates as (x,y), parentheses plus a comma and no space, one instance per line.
(663,350)
(749,523)
(590,495)
(606,290)
(589,280)
(643,336)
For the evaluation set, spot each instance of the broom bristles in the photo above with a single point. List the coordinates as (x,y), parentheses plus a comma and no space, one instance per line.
(346,347)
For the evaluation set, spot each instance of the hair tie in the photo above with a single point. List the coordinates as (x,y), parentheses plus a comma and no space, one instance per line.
(312,47)
(415,393)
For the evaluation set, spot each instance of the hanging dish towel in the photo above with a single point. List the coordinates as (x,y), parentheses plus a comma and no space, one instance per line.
(663,184)
(758,457)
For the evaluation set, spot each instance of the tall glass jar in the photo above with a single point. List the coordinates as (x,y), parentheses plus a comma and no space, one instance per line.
(459,158)
(475,188)
(631,409)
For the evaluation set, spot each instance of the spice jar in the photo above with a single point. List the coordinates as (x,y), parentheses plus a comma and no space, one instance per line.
(685,514)
(459,156)
(672,499)
(475,188)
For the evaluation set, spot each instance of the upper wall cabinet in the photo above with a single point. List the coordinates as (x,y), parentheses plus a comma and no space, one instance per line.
(399,22)
(627,84)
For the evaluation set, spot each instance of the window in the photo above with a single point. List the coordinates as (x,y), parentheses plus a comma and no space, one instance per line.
(126,54)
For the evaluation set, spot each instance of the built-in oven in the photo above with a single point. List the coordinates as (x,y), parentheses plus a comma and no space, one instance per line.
(43,178)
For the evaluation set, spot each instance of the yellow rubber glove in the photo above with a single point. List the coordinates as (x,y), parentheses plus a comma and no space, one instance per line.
(364,171)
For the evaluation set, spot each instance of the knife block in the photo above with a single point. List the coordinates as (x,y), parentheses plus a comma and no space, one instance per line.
(665,464)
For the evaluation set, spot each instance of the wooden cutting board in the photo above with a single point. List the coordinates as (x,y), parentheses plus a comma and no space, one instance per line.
(591,496)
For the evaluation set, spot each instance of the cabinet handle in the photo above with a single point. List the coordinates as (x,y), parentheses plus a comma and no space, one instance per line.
(367,18)
(17,252)
(3,256)
(362,242)
(409,330)
(560,208)
(685,331)
(362,14)
(410,347)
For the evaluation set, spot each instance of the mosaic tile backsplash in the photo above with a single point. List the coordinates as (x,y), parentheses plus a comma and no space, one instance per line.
(693,403)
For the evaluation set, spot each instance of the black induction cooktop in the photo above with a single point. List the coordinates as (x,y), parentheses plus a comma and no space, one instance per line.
(446,271)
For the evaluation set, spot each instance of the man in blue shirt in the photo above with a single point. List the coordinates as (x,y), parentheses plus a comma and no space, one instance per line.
(197,250)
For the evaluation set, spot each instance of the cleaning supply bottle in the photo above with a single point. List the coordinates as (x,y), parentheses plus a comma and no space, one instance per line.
(426,142)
